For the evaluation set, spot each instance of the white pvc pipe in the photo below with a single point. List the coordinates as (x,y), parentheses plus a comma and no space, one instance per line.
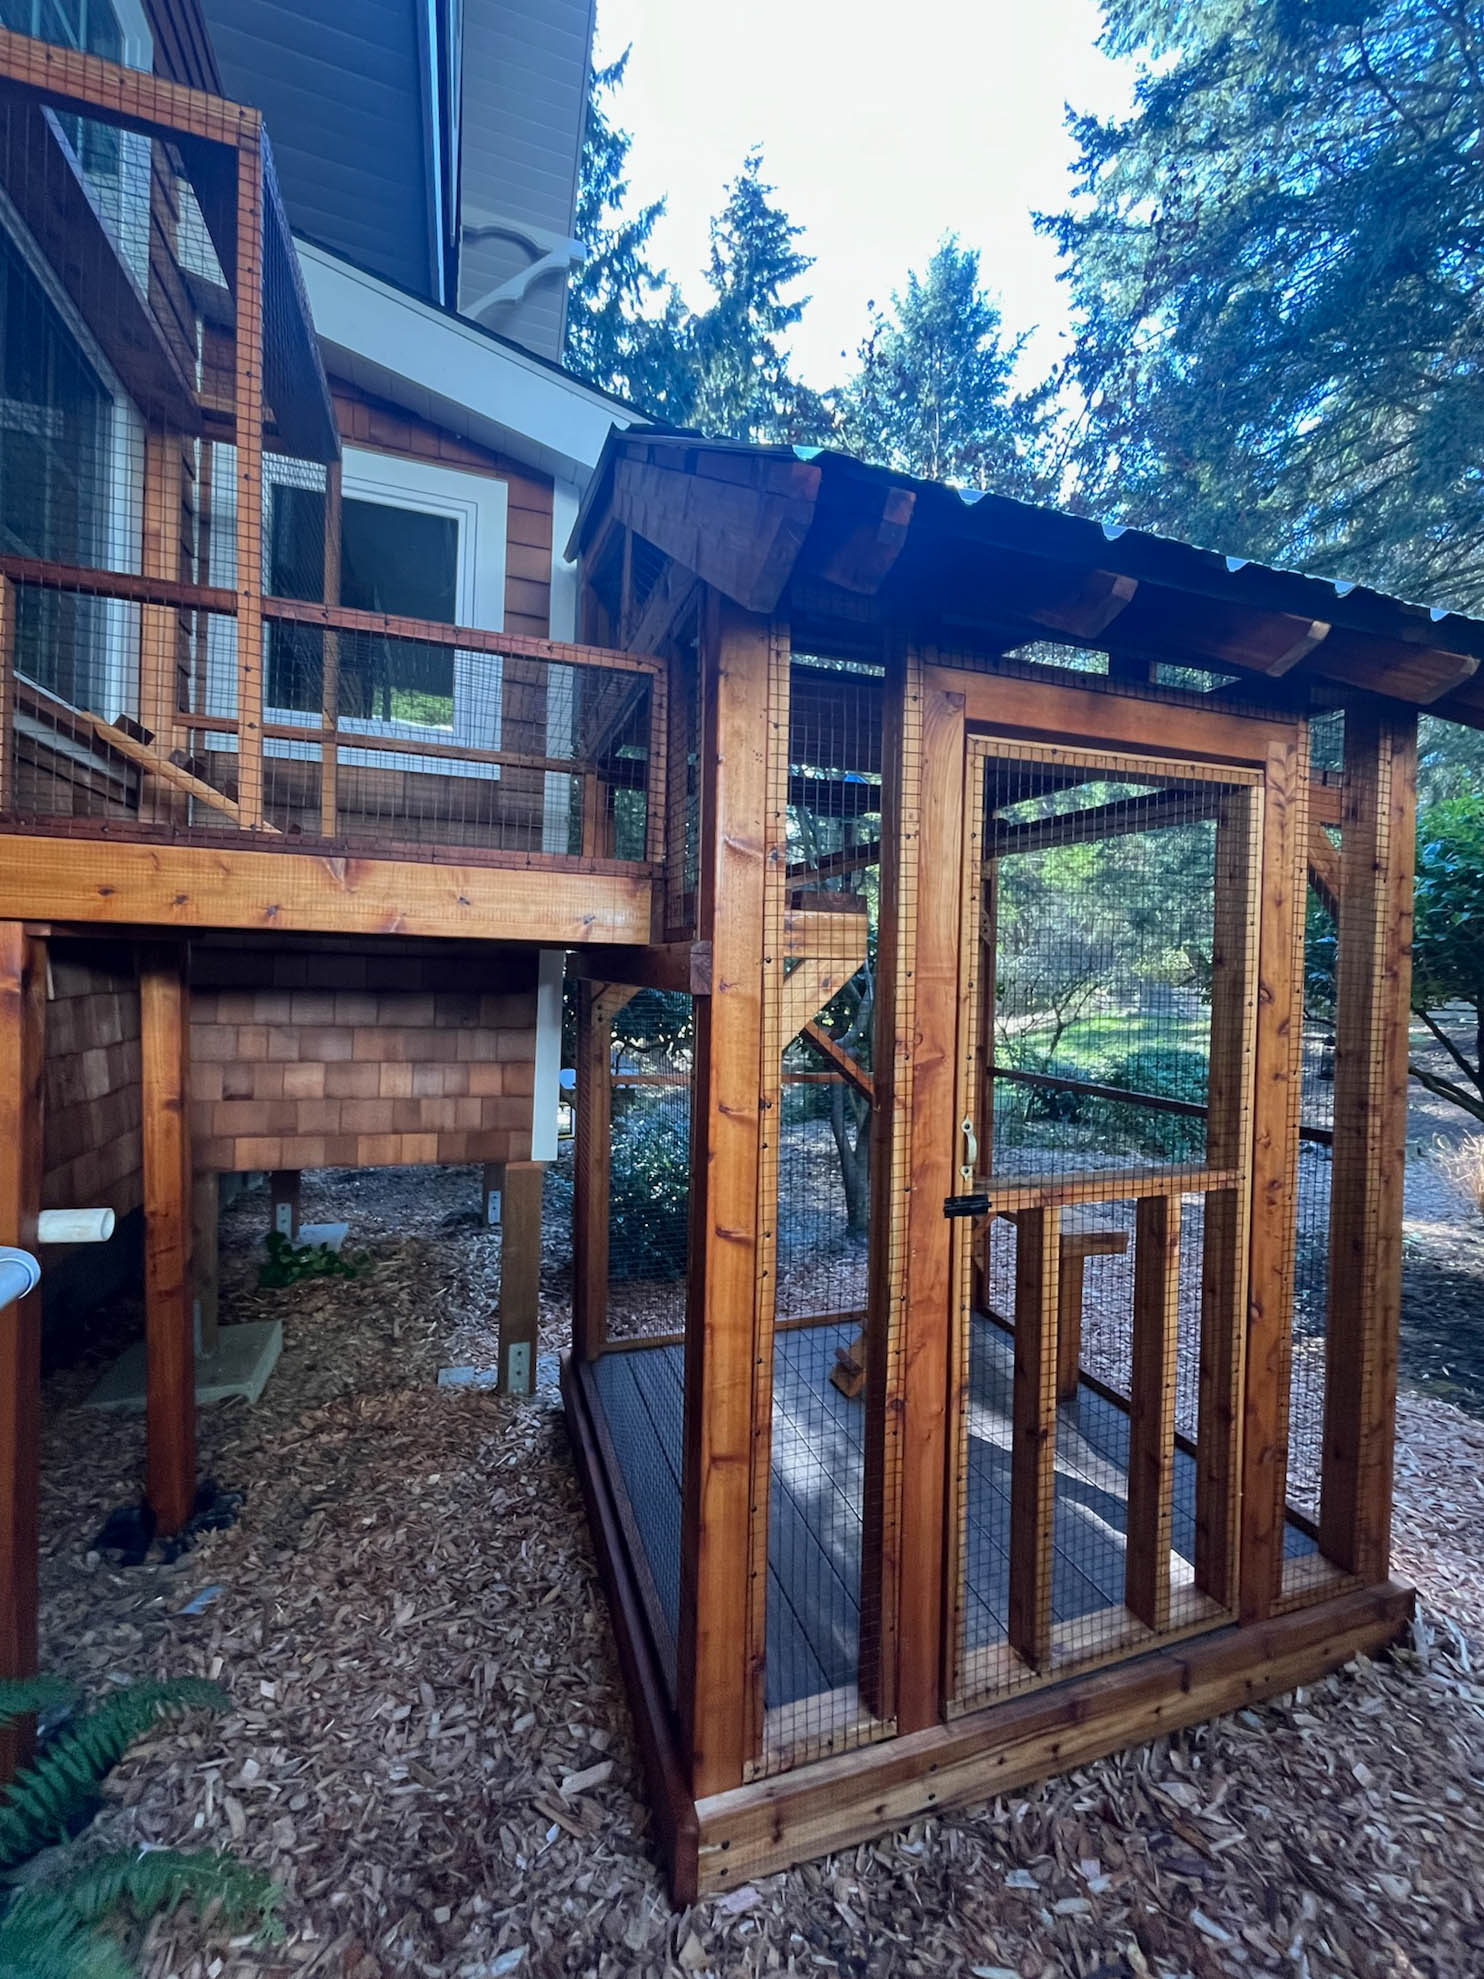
(74,1226)
(19,1274)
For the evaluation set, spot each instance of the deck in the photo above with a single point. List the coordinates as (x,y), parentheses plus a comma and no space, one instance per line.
(813,1618)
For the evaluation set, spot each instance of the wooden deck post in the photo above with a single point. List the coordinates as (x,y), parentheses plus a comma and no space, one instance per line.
(592,1159)
(714,1680)
(1275,1141)
(520,1276)
(1377,856)
(22,1066)
(1151,1459)
(164,1043)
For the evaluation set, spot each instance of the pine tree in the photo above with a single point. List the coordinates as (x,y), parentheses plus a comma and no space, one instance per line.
(1277,264)
(742,387)
(624,319)
(934,392)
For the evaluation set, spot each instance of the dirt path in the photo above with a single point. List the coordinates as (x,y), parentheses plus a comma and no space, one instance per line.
(409,1621)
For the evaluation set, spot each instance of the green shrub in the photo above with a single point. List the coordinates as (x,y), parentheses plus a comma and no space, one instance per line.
(649,1203)
(1170,1072)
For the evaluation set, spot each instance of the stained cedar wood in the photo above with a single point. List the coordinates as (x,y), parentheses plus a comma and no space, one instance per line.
(1226,1211)
(924,1327)
(247,416)
(373,423)
(712,1679)
(164,1032)
(520,1266)
(590,1175)
(1151,1465)
(76,82)
(1372,1004)
(1274,1164)
(838,1802)
(22,1063)
(1033,1451)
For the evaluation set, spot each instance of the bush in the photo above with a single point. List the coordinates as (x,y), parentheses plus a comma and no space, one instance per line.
(650,1188)
(1170,1072)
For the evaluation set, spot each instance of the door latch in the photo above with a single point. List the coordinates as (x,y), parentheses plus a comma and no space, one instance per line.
(969,1203)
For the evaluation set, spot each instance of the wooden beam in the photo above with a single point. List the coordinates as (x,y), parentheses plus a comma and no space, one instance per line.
(548,901)
(1077,1246)
(1104,596)
(866,554)
(1234,934)
(8,602)
(468,638)
(1373,984)
(164,1045)
(591,1173)
(713,1679)
(1279,1036)
(741,535)
(144,757)
(1151,1465)
(848,1067)
(1190,806)
(1033,1450)
(1324,867)
(22,1073)
(90,86)
(674,965)
(1305,641)
(520,1276)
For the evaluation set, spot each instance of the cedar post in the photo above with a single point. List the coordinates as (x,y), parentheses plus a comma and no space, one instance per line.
(1275,1141)
(283,1201)
(164,1043)
(714,1681)
(22,1069)
(159,627)
(1033,1449)
(1373,1008)
(1151,1460)
(247,411)
(520,1276)
(935,725)
(590,1173)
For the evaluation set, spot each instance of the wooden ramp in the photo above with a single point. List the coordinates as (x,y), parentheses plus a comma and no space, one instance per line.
(815,1510)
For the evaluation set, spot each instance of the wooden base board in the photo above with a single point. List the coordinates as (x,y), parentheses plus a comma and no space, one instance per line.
(725,1840)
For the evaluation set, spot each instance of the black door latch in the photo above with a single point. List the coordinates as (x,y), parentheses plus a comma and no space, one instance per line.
(966,1205)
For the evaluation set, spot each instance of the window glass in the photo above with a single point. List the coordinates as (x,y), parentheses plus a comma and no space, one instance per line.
(404,562)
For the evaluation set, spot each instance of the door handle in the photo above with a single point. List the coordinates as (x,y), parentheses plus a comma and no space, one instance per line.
(971,1148)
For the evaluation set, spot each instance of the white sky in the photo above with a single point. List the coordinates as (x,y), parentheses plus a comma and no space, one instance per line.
(883,126)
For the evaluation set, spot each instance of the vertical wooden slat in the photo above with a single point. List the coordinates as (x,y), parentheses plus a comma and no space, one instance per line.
(1373,983)
(1033,1451)
(158,627)
(248,431)
(591,1173)
(329,777)
(520,1274)
(1280,984)
(164,1032)
(891,1170)
(924,1350)
(1151,1464)
(713,1680)
(22,1068)
(8,603)
(1224,1239)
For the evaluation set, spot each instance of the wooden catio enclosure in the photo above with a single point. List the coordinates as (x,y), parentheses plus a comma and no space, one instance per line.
(987,1267)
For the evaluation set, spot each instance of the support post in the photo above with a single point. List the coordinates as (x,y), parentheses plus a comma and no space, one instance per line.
(1373,1007)
(164,1039)
(283,1200)
(205,1278)
(520,1276)
(329,769)
(22,1069)
(592,1159)
(1151,1459)
(1275,1141)
(494,1193)
(1033,1449)
(714,1681)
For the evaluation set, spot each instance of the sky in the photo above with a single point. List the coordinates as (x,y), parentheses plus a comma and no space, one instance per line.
(883,127)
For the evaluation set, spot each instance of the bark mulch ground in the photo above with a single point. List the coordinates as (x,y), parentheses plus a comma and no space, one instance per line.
(429,1744)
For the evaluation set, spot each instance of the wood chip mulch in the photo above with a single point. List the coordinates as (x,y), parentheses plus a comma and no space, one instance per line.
(430,1748)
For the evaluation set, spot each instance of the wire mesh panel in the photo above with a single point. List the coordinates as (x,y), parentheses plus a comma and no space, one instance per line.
(1311,1251)
(1111,912)
(822,1636)
(649,1156)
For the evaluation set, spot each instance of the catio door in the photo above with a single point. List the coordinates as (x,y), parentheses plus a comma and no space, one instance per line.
(1110,930)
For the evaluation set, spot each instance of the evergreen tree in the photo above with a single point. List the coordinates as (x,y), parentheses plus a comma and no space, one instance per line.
(741,385)
(934,392)
(1276,265)
(623,316)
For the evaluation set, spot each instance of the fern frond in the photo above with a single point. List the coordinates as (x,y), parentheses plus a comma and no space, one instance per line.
(20,1696)
(41,1938)
(160,1878)
(60,1786)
